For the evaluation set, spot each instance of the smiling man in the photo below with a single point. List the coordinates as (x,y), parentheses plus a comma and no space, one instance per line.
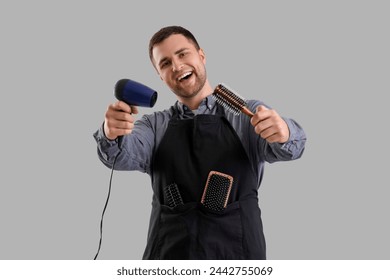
(181,145)
(181,65)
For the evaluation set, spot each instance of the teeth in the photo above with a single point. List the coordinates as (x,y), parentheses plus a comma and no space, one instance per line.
(184,75)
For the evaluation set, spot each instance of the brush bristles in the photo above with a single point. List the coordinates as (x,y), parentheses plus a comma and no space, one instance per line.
(229,99)
(217,190)
(173,195)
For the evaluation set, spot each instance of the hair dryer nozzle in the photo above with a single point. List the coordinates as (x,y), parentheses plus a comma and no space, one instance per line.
(134,93)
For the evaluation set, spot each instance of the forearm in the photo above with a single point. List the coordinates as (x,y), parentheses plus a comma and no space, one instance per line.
(135,152)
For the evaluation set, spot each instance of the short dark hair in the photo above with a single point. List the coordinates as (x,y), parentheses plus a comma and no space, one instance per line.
(165,32)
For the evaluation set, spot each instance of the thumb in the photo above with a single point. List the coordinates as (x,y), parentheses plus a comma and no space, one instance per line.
(259,115)
(261,108)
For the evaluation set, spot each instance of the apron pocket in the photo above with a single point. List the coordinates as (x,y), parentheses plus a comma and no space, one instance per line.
(219,234)
(173,235)
(192,231)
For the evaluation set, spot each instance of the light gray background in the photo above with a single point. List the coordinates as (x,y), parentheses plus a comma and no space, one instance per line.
(323,63)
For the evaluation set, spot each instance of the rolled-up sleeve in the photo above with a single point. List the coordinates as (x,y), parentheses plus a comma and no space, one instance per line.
(107,149)
(273,152)
(292,149)
(136,149)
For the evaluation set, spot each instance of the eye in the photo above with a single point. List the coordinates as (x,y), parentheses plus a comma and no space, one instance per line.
(164,64)
(182,54)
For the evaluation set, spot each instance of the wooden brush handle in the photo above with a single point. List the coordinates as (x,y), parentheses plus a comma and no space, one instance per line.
(246,111)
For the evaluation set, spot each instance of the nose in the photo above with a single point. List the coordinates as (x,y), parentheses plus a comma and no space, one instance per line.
(176,65)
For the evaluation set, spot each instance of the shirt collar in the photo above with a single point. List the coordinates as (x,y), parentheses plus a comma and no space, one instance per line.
(205,106)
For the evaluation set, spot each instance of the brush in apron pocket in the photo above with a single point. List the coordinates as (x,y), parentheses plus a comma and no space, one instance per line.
(217,190)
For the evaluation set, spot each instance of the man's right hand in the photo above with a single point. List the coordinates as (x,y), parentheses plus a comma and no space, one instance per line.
(118,120)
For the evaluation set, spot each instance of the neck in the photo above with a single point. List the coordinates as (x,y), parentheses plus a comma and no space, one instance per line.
(194,102)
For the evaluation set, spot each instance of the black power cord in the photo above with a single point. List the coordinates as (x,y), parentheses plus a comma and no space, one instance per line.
(105,207)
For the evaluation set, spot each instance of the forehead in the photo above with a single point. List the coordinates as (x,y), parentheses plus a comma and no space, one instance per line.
(170,45)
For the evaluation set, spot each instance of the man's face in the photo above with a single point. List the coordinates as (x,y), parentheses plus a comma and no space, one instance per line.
(180,65)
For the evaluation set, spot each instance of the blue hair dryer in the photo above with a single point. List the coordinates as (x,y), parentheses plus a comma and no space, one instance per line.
(134,93)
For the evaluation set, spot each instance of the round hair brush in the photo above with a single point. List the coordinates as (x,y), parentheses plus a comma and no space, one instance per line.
(231,100)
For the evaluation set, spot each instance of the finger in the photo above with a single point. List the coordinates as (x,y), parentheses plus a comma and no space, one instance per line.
(122,106)
(114,128)
(120,124)
(134,109)
(277,132)
(115,114)
(274,138)
(261,113)
(112,132)
(263,125)
(123,116)
(268,133)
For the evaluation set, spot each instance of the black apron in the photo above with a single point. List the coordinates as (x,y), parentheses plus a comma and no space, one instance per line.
(188,151)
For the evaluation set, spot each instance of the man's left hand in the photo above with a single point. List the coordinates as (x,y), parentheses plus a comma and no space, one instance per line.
(269,125)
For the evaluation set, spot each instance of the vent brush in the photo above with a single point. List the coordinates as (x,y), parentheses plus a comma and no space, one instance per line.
(217,190)
(231,100)
(173,195)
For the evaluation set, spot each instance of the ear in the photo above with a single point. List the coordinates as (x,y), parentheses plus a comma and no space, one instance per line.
(202,55)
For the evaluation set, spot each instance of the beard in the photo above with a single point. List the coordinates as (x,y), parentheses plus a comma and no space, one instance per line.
(192,90)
